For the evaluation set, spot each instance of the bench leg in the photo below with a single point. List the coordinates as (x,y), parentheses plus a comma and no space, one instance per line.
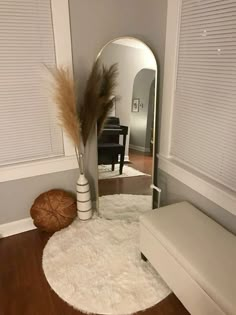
(113,163)
(121,163)
(143,257)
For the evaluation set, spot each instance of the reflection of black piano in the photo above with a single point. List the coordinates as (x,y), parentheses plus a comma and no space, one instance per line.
(110,151)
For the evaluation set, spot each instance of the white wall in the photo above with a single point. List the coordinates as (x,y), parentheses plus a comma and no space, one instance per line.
(130,61)
(141,121)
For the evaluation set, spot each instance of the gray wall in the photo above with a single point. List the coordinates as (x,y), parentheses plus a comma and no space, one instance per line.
(174,191)
(17,196)
(141,124)
(95,22)
(150,116)
(130,61)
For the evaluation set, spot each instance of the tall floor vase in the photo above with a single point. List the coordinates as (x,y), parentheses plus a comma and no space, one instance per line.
(84,203)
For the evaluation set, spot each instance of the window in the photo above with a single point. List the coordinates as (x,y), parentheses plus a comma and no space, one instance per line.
(204,120)
(198,123)
(28,127)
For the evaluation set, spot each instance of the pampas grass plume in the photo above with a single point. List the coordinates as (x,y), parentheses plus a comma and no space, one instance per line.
(97,98)
(109,84)
(65,98)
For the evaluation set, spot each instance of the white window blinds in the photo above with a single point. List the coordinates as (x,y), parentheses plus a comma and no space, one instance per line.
(204,120)
(28,127)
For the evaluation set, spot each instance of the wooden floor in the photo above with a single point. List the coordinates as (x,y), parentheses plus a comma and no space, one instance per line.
(130,185)
(23,287)
(141,161)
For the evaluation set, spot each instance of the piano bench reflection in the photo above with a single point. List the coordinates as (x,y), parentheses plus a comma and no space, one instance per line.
(111,152)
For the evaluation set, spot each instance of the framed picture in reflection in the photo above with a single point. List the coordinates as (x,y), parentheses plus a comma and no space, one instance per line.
(135,105)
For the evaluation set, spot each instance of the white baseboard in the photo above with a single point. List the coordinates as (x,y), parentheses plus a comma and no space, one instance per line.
(16,227)
(126,159)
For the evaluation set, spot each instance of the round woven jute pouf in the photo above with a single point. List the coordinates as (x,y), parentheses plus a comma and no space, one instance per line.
(95,266)
(53,210)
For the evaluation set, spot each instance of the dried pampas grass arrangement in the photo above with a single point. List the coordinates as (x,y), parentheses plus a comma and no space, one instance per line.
(96,105)
(97,98)
(109,83)
(90,107)
(64,97)
(78,125)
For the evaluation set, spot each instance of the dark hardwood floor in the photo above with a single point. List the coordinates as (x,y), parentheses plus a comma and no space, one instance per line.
(25,291)
(130,185)
(23,287)
(141,161)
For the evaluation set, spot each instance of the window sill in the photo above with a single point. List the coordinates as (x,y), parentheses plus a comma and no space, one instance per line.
(36,168)
(205,186)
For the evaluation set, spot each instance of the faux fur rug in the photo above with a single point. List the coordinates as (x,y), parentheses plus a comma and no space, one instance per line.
(124,206)
(104,171)
(96,267)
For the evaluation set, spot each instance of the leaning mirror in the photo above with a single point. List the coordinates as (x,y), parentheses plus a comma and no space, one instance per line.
(126,142)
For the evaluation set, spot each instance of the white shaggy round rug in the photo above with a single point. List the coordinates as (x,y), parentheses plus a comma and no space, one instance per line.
(104,172)
(124,206)
(96,267)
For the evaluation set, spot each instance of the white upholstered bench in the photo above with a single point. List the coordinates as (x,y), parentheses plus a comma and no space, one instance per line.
(194,255)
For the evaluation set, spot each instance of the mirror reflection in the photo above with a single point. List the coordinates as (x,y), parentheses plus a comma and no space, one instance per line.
(125,145)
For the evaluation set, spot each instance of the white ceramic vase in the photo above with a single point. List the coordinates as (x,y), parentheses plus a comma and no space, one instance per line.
(84,203)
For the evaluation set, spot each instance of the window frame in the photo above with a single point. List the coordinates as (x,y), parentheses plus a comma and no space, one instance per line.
(210,189)
(63,51)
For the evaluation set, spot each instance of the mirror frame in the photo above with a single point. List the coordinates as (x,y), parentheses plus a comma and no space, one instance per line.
(155,111)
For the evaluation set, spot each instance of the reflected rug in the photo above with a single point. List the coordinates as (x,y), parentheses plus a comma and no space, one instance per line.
(95,266)
(104,171)
(124,206)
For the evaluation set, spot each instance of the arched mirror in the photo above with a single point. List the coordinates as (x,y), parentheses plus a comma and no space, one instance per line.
(126,143)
